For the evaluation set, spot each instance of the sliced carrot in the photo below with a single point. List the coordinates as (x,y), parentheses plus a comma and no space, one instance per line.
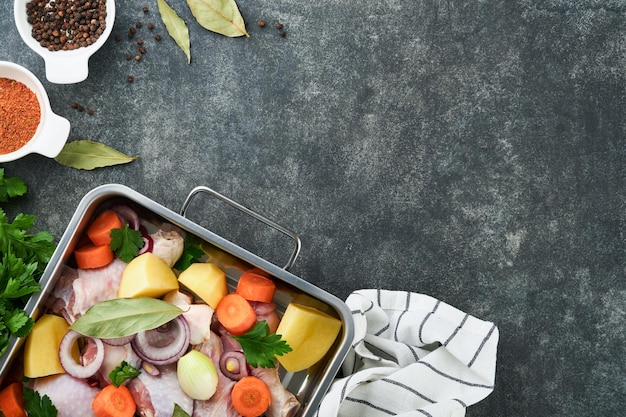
(236,314)
(92,256)
(12,400)
(114,401)
(255,287)
(250,396)
(99,231)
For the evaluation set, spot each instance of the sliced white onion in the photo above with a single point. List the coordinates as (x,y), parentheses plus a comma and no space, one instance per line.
(165,344)
(68,363)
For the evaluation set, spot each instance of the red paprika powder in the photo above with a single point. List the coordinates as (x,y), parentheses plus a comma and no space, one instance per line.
(19,115)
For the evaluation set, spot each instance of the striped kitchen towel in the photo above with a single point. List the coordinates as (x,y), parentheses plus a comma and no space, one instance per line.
(412,355)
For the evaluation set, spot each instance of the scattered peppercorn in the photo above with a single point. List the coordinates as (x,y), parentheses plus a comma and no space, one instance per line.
(128,57)
(145,9)
(90,112)
(282,34)
(278,25)
(74,105)
(137,57)
(157,37)
(138,25)
(80,108)
(150,25)
(130,79)
(140,41)
(142,50)
(117,37)
(66,24)
(261,23)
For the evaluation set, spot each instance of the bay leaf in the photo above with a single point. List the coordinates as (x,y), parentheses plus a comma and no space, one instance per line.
(179,412)
(220,16)
(122,317)
(88,155)
(176,27)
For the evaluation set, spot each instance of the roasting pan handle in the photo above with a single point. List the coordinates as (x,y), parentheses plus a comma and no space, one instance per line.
(291,234)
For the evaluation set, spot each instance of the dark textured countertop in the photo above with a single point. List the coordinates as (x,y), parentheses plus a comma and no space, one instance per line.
(474,151)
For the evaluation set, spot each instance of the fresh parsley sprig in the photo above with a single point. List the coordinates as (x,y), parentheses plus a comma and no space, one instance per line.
(126,242)
(37,405)
(23,258)
(122,373)
(260,347)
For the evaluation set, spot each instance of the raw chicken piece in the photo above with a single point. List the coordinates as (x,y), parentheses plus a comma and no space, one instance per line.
(168,245)
(71,396)
(198,316)
(79,289)
(283,403)
(155,396)
(219,405)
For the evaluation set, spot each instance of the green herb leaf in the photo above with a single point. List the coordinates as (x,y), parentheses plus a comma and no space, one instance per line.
(88,155)
(10,187)
(260,347)
(38,406)
(191,254)
(14,237)
(179,412)
(122,317)
(220,16)
(126,242)
(123,373)
(176,27)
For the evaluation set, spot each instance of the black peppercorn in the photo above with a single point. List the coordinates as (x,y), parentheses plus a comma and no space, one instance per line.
(261,23)
(150,25)
(157,37)
(145,9)
(138,25)
(130,79)
(278,25)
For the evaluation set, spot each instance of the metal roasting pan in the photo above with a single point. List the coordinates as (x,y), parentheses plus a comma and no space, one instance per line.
(310,385)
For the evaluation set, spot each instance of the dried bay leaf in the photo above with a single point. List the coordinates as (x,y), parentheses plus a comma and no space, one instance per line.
(220,16)
(88,155)
(123,317)
(176,27)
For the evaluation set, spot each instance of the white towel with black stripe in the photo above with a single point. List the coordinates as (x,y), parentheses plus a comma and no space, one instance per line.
(412,355)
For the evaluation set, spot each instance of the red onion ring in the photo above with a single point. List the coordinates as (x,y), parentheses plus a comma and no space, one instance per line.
(127,214)
(119,341)
(69,364)
(233,364)
(165,344)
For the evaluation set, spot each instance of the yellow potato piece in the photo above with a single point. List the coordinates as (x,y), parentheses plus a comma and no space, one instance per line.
(41,349)
(147,276)
(309,332)
(206,280)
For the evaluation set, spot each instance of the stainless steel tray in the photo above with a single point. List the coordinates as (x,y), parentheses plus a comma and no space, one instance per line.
(310,385)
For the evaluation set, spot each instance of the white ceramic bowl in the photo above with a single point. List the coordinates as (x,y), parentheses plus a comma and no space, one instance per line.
(53,130)
(63,67)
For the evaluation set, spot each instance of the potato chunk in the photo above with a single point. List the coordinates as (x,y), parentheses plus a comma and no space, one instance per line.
(206,280)
(309,332)
(147,276)
(41,349)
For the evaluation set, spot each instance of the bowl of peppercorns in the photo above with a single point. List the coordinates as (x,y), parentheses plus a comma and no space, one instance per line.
(65,33)
(27,122)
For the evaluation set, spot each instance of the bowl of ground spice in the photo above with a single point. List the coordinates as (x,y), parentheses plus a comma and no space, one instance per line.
(65,33)
(27,122)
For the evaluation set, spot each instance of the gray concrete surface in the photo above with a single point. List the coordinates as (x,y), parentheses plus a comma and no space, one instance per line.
(469,150)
